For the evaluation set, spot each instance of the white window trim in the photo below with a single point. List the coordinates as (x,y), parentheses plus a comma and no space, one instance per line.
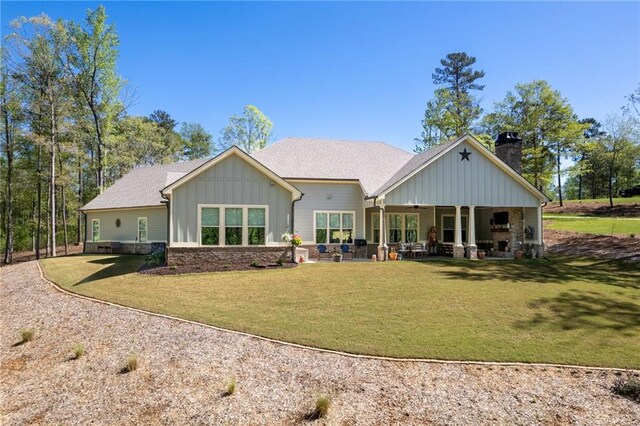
(146,230)
(352,212)
(442,216)
(93,240)
(245,223)
(386,224)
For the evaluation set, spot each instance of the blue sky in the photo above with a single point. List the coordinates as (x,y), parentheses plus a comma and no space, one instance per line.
(358,70)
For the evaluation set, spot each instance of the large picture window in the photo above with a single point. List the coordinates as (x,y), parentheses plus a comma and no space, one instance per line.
(142,229)
(233,225)
(95,230)
(401,227)
(334,227)
(449,228)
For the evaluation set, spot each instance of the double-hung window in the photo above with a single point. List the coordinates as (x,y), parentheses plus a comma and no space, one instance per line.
(334,227)
(233,225)
(95,230)
(142,229)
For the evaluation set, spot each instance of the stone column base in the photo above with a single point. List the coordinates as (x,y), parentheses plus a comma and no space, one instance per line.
(458,252)
(537,251)
(472,252)
(382,253)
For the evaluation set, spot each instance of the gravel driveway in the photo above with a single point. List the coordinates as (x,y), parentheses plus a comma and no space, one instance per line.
(183,368)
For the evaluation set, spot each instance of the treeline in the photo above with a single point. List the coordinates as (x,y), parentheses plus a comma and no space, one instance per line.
(65,131)
(605,155)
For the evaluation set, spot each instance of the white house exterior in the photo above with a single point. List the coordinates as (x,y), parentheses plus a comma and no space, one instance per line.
(235,206)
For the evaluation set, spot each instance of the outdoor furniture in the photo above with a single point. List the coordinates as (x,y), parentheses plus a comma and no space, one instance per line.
(418,250)
(344,249)
(403,250)
(447,249)
(322,249)
(109,247)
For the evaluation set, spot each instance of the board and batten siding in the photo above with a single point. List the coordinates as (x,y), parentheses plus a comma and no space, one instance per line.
(327,196)
(128,229)
(451,182)
(233,182)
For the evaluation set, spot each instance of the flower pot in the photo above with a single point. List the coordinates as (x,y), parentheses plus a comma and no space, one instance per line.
(481,254)
(337,258)
(393,256)
(518,254)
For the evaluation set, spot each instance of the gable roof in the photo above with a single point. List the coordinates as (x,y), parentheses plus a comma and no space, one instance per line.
(370,163)
(234,150)
(424,159)
(141,186)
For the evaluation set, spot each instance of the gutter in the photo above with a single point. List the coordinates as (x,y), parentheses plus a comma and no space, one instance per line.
(166,247)
(293,215)
(84,244)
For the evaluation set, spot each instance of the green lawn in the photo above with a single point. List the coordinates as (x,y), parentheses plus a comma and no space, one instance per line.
(594,225)
(531,311)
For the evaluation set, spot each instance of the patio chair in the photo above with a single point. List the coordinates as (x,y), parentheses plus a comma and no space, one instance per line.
(345,249)
(322,249)
(418,250)
(403,251)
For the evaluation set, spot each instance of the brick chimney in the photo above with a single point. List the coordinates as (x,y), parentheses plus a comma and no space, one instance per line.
(509,150)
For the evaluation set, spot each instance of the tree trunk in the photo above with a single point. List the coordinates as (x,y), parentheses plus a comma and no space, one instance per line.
(52,183)
(8,247)
(559,174)
(100,152)
(64,207)
(39,201)
(78,214)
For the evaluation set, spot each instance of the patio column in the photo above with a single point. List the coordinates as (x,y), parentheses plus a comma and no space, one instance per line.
(540,242)
(458,248)
(382,243)
(473,248)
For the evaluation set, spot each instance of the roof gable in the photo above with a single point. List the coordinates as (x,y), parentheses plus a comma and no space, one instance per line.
(234,150)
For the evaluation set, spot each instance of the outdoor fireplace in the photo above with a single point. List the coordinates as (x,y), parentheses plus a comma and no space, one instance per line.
(502,245)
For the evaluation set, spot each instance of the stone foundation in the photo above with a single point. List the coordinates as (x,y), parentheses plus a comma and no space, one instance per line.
(472,252)
(458,252)
(363,253)
(125,248)
(182,256)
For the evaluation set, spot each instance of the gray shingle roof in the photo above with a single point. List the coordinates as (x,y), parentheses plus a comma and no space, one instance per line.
(372,163)
(141,187)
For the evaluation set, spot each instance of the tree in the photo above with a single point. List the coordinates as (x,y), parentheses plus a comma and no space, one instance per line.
(164,120)
(91,58)
(453,109)
(250,131)
(197,142)
(621,151)
(546,123)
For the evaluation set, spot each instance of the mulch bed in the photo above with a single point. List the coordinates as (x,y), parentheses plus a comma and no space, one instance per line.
(606,247)
(193,269)
(26,256)
(594,208)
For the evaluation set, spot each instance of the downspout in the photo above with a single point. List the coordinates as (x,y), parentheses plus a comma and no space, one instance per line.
(84,244)
(293,214)
(166,246)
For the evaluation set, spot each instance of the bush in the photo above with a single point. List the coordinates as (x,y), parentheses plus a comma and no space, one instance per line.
(323,402)
(131,365)
(78,350)
(231,386)
(632,235)
(27,335)
(255,263)
(279,262)
(156,257)
(627,387)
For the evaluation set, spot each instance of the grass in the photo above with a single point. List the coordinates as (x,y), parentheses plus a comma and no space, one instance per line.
(131,364)
(577,312)
(323,403)
(231,386)
(616,200)
(26,336)
(78,351)
(594,225)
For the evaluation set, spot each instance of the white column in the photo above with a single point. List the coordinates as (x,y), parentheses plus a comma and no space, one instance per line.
(381,242)
(539,225)
(458,228)
(472,226)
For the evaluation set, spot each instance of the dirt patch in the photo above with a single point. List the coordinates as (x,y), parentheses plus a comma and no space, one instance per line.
(191,269)
(591,245)
(594,208)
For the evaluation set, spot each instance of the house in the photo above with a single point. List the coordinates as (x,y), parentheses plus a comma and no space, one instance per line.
(235,207)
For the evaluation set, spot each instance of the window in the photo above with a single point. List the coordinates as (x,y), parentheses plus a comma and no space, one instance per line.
(402,227)
(257,226)
(448,228)
(233,225)
(210,226)
(142,229)
(334,227)
(95,230)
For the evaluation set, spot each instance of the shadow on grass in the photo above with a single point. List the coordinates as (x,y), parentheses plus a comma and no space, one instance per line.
(620,274)
(116,265)
(588,310)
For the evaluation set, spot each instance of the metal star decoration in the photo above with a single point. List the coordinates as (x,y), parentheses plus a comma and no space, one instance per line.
(465,155)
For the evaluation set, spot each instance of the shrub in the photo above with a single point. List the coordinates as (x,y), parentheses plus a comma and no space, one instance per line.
(632,235)
(131,365)
(27,335)
(231,386)
(155,258)
(255,263)
(323,402)
(279,262)
(78,350)
(627,387)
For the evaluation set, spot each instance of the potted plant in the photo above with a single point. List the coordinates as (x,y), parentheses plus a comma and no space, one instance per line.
(518,253)
(337,255)
(481,254)
(392,254)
